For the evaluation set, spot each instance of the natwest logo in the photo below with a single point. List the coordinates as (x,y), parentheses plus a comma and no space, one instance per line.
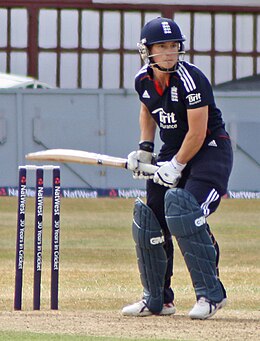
(194,98)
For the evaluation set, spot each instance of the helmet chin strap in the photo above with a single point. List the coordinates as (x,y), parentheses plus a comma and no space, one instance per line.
(164,70)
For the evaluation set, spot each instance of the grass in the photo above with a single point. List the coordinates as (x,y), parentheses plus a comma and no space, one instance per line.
(98,264)
(6,336)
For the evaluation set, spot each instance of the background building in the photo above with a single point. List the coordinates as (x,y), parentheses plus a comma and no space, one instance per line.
(92,44)
(87,51)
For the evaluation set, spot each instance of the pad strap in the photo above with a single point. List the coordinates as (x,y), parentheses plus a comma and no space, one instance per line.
(151,256)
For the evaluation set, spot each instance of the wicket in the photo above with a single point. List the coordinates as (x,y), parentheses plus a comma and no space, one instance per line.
(20,246)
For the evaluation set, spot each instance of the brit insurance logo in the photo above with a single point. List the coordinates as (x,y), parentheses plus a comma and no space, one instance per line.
(167,119)
(194,98)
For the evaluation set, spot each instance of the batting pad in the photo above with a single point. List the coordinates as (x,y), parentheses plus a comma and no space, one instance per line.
(187,223)
(151,256)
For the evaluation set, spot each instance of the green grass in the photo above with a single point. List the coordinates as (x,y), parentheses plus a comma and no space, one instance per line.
(98,268)
(12,336)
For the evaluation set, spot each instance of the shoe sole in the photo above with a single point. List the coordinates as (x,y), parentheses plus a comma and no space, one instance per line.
(137,314)
(149,313)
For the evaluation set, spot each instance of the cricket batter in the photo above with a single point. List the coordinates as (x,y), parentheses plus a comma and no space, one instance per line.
(195,163)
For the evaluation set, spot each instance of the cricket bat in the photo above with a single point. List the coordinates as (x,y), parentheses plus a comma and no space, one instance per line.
(87,158)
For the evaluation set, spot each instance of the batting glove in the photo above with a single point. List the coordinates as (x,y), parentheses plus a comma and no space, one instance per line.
(169,173)
(143,155)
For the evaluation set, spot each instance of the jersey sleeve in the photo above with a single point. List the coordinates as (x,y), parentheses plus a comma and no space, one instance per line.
(138,86)
(196,89)
(138,81)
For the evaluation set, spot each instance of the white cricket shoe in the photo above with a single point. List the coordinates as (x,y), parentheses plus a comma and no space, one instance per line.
(204,308)
(140,309)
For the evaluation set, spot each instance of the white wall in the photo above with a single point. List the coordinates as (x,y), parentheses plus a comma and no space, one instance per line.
(106,122)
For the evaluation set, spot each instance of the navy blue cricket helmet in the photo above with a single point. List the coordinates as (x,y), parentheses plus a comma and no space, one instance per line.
(159,30)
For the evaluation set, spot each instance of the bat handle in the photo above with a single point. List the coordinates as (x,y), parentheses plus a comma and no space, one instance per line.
(147,168)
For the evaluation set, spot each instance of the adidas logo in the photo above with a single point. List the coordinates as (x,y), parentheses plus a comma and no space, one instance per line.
(146,95)
(213,143)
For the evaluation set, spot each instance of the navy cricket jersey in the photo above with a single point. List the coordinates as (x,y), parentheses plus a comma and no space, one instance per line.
(188,89)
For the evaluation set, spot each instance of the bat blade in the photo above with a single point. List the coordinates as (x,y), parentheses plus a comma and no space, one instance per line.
(77,156)
(84,157)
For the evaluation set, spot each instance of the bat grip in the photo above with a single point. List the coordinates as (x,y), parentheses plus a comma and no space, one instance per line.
(147,168)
